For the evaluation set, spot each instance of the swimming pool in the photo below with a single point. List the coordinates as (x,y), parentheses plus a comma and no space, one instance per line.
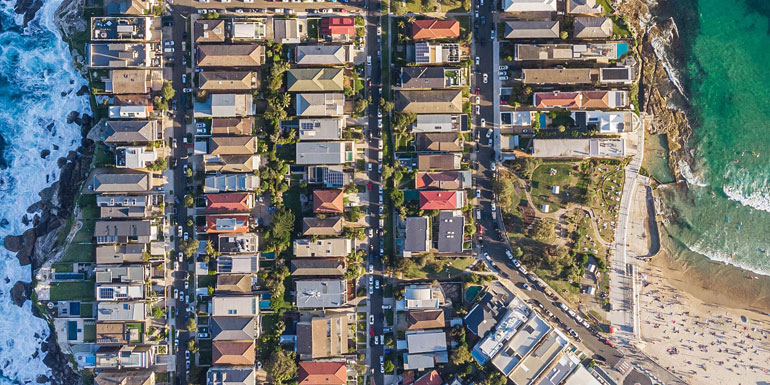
(68,276)
(622,49)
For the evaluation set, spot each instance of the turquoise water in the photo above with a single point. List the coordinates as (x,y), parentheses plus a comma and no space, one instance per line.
(725,212)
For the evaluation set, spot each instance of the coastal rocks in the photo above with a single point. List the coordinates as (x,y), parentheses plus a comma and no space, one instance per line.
(20,293)
(83,91)
(28,8)
(44,154)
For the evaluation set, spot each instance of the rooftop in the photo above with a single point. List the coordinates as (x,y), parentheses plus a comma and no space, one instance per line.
(317,294)
(529,5)
(122,55)
(443,180)
(516,29)
(450,232)
(429,29)
(323,54)
(324,248)
(225,106)
(559,75)
(579,148)
(237,243)
(315,79)
(317,104)
(230,55)
(327,153)
(430,102)
(417,235)
(321,128)
(209,31)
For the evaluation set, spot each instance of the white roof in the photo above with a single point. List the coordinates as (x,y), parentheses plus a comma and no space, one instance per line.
(529,5)
(581,376)
(420,297)
(426,341)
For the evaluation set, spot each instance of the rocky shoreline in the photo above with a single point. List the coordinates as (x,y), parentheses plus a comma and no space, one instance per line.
(49,215)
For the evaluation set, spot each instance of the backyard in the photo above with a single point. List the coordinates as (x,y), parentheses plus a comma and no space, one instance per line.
(72,291)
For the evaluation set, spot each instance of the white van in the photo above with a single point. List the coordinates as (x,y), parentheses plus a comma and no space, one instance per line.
(368,60)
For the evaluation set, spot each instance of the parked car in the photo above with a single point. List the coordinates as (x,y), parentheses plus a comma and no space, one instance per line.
(486,78)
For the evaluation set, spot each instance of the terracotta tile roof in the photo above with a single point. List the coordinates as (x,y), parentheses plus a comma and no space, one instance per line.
(557,99)
(231,126)
(328,201)
(435,29)
(596,99)
(440,200)
(229,201)
(431,378)
(233,353)
(227,224)
(426,319)
(322,373)
(338,26)
(440,180)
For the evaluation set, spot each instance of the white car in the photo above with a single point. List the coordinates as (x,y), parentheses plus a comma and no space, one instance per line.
(176,293)
(503,74)
(379,113)
(186,284)
(369,166)
(377,284)
(202,11)
(486,78)
(379,30)
(478,99)
(504,78)
(492,167)
(483,122)
(200,125)
(492,34)
(248,1)
(187,91)
(371,319)
(489,133)
(186,236)
(478,109)
(371,268)
(376,340)
(180,257)
(478,61)
(169,43)
(238,10)
(179,231)
(168,50)
(494,207)
(478,193)
(370,232)
(503,68)
(379,123)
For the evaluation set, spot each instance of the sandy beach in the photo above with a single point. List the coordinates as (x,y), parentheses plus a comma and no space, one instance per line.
(704,342)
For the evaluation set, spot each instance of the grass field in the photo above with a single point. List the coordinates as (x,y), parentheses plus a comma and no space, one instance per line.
(73,291)
(81,248)
(454,268)
(572,185)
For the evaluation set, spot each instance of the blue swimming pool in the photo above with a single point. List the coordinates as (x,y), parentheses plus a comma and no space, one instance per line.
(622,49)
(68,276)
(542,120)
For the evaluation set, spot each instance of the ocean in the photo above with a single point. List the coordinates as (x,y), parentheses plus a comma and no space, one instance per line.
(38,88)
(724,213)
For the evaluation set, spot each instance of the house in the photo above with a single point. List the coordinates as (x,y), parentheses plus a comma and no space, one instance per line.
(521,6)
(527,333)
(119,291)
(248,30)
(559,75)
(233,328)
(430,378)
(338,28)
(321,294)
(124,357)
(232,145)
(426,77)
(515,315)
(227,224)
(122,377)
(233,283)
(218,81)
(439,162)
(539,359)
(232,353)
(234,202)
(332,176)
(430,102)
(246,243)
(129,7)
(124,206)
(425,319)
(429,53)
(322,336)
(134,157)
(425,349)
(130,81)
(582,376)
(322,373)
(238,264)
(121,181)
(132,131)
(443,180)
(124,311)
(623,75)
(234,306)
(229,183)
(326,153)
(451,227)
(209,31)
(418,297)
(583,7)
(592,28)
(329,55)
(232,126)
(579,148)
(122,55)
(225,106)
(135,231)
(485,315)
(315,80)
(438,123)
(324,248)
(321,128)
(119,274)
(418,235)
(607,122)
(327,226)
(117,254)
(111,333)
(581,99)
(129,112)
(326,104)
(328,201)
(441,200)
(222,375)
(526,29)
(317,267)
(438,142)
(432,29)
(600,52)
(286,31)
(230,55)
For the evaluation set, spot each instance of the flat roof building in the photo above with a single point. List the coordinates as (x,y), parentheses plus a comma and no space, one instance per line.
(579,148)
(321,294)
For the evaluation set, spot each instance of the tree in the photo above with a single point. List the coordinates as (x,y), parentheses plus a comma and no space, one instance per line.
(188,173)
(389,366)
(460,355)
(159,104)
(467,5)
(387,171)
(278,237)
(353,214)
(403,119)
(562,128)
(563,35)
(145,256)
(281,366)
(189,247)
(360,105)
(543,230)
(157,312)
(386,106)
(192,325)
(211,252)
(191,346)
(189,201)
(496,378)
(348,92)
(167,91)
(517,253)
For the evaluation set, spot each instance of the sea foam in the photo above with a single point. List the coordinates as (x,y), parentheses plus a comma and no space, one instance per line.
(38,88)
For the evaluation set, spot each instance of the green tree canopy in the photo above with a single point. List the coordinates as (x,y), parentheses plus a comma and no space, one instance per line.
(281,366)
(167,91)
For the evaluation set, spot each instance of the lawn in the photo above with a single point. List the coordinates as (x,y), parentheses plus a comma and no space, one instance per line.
(74,291)
(207,280)
(389,316)
(572,185)
(86,310)
(81,248)
(312,28)
(454,268)
(268,323)
(442,6)
(89,332)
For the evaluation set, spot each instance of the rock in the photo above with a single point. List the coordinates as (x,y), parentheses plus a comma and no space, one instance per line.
(72,116)
(56,147)
(20,293)
(13,243)
(25,220)
(83,91)
(28,8)
(35,207)
(4,222)
(61,162)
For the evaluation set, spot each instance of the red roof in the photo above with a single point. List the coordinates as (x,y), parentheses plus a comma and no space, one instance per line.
(229,201)
(227,224)
(440,200)
(431,378)
(435,29)
(557,99)
(328,201)
(322,373)
(338,26)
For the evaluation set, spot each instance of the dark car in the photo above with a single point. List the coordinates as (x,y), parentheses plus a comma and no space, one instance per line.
(599,357)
